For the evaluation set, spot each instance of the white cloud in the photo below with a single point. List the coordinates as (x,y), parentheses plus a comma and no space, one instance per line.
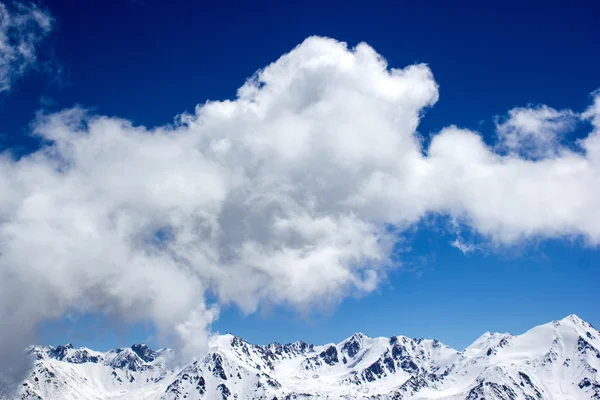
(284,195)
(463,246)
(22,27)
(460,243)
(536,132)
(593,112)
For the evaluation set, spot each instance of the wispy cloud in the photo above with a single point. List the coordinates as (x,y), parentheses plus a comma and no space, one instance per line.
(462,245)
(47,102)
(22,28)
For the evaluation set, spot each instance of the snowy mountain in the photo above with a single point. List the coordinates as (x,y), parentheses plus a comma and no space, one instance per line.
(558,360)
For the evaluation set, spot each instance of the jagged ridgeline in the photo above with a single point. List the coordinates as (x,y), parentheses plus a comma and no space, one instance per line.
(559,360)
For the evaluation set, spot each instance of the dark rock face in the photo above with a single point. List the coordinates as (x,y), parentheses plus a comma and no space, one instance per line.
(60,351)
(352,347)
(498,391)
(225,392)
(200,384)
(526,381)
(273,383)
(330,356)
(412,385)
(526,378)
(584,346)
(178,386)
(144,352)
(79,356)
(218,370)
(374,371)
(389,362)
(399,352)
(127,361)
(403,358)
(277,351)
(587,384)
(408,365)
(83,356)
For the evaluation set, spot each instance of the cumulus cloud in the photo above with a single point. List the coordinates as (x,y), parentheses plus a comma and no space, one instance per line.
(293,193)
(534,131)
(22,28)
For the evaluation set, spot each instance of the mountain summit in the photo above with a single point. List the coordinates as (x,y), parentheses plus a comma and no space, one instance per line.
(558,360)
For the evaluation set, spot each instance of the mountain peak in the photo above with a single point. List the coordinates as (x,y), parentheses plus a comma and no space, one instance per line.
(144,352)
(573,318)
(359,335)
(59,352)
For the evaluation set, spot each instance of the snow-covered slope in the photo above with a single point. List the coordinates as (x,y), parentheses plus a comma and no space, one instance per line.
(559,360)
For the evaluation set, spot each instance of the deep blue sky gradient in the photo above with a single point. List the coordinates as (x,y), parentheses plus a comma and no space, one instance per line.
(148,61)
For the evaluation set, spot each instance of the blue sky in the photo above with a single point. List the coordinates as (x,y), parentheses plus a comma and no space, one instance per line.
(148,61)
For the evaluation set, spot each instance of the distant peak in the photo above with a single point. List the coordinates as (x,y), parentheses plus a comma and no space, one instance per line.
(237,340)
(227,337)
(573,320)
(358,336)
(353,344)
(572,317)
(60,351)
(140,346)
(495,334)
(144,352)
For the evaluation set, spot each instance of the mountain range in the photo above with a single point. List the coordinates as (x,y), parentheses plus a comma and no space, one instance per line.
(559,360)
